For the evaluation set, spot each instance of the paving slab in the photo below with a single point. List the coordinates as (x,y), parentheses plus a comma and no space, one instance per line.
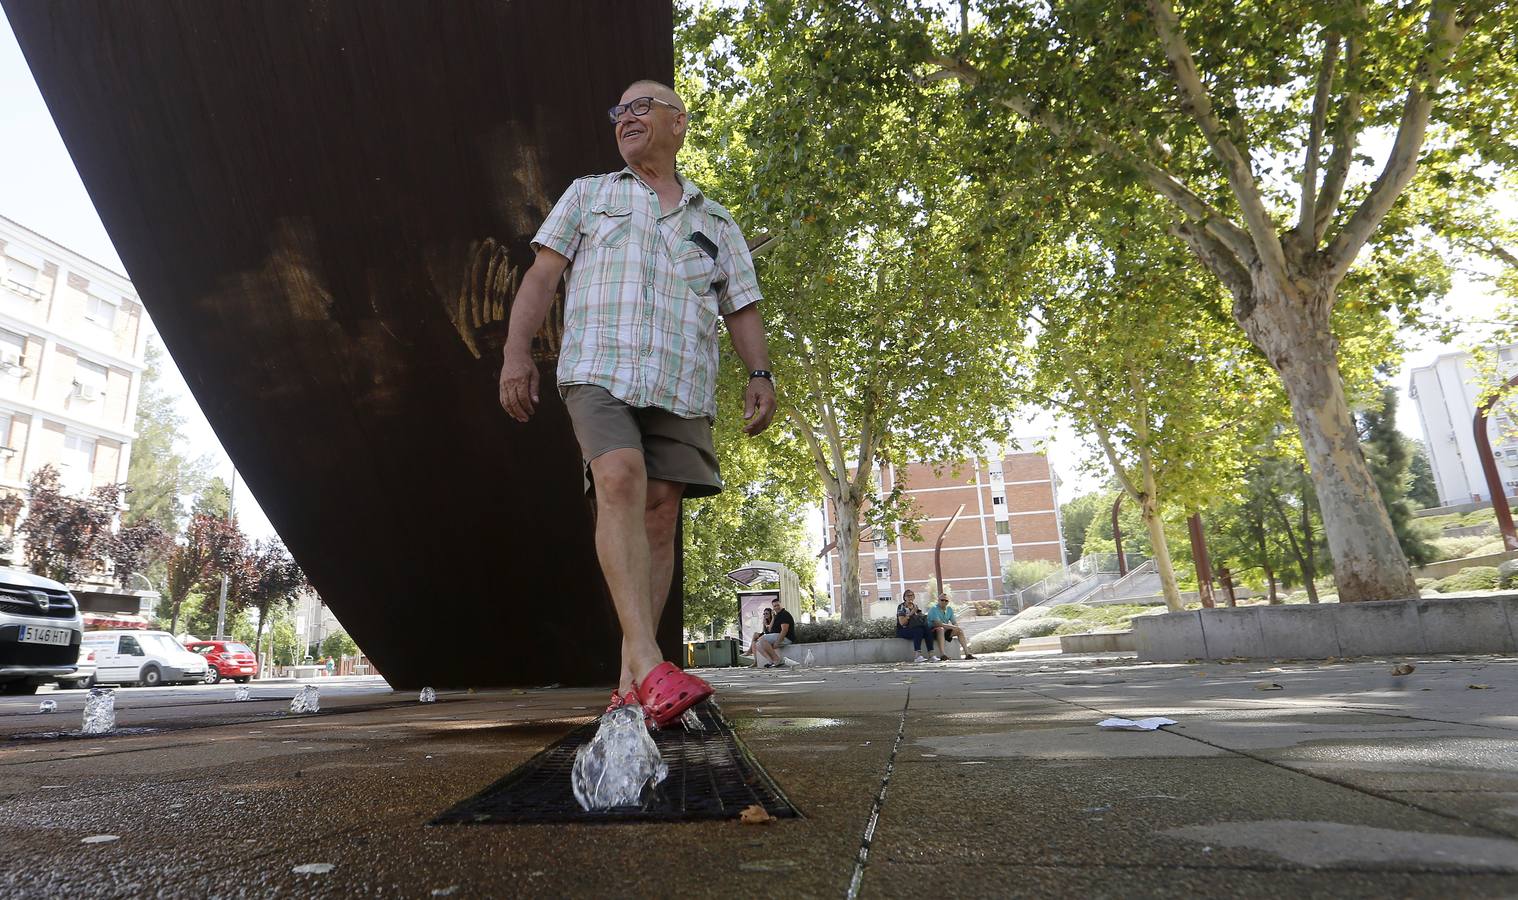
(1348,781)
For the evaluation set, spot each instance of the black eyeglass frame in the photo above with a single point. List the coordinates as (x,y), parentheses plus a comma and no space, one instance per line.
(615,113)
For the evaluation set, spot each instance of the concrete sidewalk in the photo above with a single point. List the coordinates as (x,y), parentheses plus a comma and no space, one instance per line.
(986,778)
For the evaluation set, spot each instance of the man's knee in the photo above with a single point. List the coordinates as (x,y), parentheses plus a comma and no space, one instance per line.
(663,503)
(620,478)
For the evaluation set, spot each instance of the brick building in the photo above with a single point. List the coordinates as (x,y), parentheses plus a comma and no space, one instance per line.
(1011,513)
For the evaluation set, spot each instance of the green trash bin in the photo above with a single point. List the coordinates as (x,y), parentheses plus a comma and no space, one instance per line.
(723,652)
(700,654)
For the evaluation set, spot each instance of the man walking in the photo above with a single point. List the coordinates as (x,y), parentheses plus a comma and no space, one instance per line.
(651,264)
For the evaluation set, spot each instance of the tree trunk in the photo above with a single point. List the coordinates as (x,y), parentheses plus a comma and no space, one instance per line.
(1309,544)
(1150,511)
(258,640)
(1295,335)
(846,529)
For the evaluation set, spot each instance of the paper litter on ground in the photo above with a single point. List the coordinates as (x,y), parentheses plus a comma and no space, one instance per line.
(1149,724)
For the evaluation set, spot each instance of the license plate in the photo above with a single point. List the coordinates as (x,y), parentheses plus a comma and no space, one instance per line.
(36,634)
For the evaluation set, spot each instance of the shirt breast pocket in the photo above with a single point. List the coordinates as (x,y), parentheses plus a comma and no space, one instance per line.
(609,226)
(697,268)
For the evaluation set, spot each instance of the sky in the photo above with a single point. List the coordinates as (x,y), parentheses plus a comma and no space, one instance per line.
(40,188)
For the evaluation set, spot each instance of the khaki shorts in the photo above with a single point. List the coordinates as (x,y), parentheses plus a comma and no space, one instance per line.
(674,448)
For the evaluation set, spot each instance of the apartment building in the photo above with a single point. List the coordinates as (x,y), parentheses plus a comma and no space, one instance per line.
(1446,394)
(1011,512)
(73,336)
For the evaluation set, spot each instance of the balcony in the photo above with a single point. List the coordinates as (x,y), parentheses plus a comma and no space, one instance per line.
(24,290)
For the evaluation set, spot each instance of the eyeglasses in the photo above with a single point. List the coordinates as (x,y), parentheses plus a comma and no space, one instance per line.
(638,107)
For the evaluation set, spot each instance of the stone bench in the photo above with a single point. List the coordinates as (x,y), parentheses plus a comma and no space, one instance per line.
(1444,625)
(851,653)
(1096,642)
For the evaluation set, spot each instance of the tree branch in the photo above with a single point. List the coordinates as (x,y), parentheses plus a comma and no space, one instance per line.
(828,418)
(1346,131)
(819,456)
(1221,263)
(1196,103)
(1444,35)
(1161,182)
(1308,212)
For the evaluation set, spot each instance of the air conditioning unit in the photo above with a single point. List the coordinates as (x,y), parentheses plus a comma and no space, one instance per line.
(13,363)
(86,392)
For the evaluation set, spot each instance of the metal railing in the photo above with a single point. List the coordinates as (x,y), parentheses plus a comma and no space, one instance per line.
(1082,570)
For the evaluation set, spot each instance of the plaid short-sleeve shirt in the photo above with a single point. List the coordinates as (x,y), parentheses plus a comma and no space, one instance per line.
(645,291)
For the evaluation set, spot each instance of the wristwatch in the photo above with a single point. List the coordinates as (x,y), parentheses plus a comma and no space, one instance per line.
(762,373)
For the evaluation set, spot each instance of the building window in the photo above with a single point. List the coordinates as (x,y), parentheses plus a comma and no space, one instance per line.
(100,311)
(7,450)
(89,380)
(1003,528)
(996,475)
(997,500)
(78,463)
(882,570)
(22,279)
(12,352)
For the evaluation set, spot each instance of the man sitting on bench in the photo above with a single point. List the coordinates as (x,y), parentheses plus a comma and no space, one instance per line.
(941,623)
(782,631)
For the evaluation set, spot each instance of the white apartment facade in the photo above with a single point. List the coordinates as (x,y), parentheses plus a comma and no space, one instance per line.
(1446,393)
(73,341)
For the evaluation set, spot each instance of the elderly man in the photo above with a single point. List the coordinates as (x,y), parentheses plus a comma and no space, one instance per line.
(651,264)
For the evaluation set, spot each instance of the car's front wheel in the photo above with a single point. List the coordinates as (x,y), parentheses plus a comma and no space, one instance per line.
(151,677)
(212,676)
(244,679)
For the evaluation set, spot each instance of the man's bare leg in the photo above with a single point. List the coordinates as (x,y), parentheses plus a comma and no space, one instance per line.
(622,547)
(660,515)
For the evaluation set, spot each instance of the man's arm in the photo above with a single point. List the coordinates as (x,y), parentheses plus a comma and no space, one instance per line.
(747,330)
(519,374)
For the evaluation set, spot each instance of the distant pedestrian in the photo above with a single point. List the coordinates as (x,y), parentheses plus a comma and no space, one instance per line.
(912,624)
(941,623)
(782,631)
(753,644)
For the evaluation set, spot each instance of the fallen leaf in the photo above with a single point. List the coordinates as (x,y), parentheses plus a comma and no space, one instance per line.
(101,839)
(1403,669)
(1479,687)
(1267,686)
(755,814)
(313,869)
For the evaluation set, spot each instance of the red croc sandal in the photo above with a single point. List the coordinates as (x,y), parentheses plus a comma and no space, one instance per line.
(618,700)
(666,693)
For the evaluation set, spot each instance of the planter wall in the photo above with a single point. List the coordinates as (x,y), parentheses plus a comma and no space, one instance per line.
(1443,625)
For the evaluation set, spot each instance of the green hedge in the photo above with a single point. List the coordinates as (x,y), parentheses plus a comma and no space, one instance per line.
(839,630)
(1471,578)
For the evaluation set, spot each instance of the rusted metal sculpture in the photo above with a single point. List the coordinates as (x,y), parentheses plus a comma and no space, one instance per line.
(1200,559)
(1489,467)
(938,551)
(326,209)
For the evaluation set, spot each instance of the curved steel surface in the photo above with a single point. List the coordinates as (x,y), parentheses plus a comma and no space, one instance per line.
(325,206)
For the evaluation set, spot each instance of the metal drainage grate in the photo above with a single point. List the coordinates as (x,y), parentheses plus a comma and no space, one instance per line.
(711,776)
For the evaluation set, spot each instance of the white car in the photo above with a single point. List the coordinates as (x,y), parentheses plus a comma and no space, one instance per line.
(148,658)
(84,676)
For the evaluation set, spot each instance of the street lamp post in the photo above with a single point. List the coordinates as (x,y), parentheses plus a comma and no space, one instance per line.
(221,607)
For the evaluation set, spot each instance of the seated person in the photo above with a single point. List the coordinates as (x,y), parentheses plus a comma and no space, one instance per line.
(781,632)
(912,625)
(768,615)
(941,623)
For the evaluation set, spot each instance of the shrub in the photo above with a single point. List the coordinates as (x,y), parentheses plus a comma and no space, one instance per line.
(839,630)
(1427,583)
(1507,574)
(1458,547)
(1026,573)
(986,607)
(1006,635)
(1471,578)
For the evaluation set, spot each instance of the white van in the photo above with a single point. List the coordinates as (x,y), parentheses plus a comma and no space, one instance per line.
(148,658)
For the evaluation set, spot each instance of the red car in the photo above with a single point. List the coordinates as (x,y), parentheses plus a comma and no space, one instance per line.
(225,659)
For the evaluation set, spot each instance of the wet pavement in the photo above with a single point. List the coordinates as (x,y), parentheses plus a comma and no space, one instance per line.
(984,778)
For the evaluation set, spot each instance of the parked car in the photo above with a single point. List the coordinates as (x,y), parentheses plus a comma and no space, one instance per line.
(40,630)
(148,658)
(226,659)
(84,674)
